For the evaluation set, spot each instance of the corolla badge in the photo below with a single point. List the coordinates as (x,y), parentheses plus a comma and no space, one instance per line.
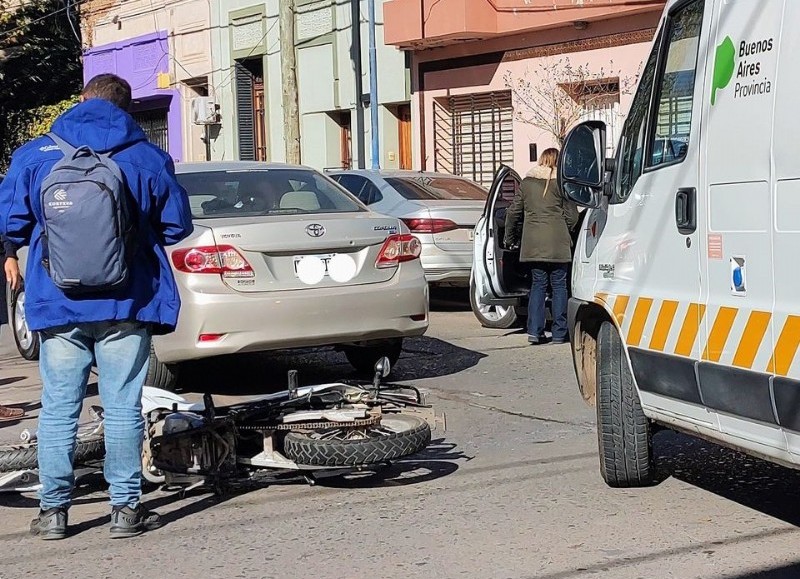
(315,230)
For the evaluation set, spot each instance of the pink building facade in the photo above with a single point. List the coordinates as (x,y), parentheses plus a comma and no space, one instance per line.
(498,81)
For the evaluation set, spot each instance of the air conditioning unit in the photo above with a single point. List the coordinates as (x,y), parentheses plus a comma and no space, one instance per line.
(204,111)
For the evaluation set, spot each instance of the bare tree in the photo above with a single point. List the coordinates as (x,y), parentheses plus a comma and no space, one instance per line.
(556,95)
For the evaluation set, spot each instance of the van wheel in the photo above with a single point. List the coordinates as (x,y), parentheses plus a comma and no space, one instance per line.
(623,431)
(161,375)
(497,317)
(27,342)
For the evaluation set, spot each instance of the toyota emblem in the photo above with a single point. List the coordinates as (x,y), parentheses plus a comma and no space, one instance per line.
(315,230)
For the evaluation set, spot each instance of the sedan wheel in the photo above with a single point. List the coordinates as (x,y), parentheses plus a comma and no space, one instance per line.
(498,317)
(26,340)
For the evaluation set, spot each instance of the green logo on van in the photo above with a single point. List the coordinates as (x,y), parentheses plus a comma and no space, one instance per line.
(724,64)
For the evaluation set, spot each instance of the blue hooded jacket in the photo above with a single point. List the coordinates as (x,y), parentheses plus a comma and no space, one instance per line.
(164,218)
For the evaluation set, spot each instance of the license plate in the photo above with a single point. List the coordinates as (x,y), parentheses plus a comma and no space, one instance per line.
(325,259)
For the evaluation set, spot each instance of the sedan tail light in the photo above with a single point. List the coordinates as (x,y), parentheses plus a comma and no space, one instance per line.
(223,260)
(421,225)
(397,249)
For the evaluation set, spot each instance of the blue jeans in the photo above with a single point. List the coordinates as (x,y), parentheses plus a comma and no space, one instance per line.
(121,351)
(555,274)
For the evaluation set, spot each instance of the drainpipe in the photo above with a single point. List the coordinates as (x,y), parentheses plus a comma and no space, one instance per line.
(355,16)
(373,89)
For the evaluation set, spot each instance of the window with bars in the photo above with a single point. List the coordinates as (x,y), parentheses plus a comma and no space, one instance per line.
(155,126)
(473,135)
(599,99)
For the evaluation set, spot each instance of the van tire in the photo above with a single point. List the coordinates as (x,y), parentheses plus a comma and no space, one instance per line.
(623,431)
(161,375)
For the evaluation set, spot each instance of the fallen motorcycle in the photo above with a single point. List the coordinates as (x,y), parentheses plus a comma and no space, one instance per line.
(321,430)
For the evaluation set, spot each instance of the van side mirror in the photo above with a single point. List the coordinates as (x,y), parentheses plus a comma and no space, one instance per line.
(582,164)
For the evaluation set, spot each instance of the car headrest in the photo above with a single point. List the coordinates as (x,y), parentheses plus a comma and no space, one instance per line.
(304,200)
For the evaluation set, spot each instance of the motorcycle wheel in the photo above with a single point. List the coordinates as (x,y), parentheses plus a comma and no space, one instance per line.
(397,435)
(24,456)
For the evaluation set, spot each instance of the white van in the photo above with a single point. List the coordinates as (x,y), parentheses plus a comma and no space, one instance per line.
(686,289)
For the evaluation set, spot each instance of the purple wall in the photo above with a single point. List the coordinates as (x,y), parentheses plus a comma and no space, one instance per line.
(139,61)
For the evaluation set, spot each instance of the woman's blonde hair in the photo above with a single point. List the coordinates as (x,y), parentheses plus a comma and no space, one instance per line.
(549,158)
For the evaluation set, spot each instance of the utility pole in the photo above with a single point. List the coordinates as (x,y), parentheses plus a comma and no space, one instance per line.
(355,16)
(373,90)
(291,108)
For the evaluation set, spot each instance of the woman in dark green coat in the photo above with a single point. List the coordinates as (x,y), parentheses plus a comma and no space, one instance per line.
(547,221)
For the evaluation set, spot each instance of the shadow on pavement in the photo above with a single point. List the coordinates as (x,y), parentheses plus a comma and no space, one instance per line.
(434,462)
(438,460)
(422,357)
(751,482)
(790,571)
(450,299)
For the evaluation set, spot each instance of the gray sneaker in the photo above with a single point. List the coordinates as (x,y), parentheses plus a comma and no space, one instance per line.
(50,524)
(130,522)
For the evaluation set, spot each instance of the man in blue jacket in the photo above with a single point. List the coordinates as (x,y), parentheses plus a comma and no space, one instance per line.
(113,328)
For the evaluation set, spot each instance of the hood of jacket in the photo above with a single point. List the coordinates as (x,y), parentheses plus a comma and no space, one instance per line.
(542,172)
(98,124)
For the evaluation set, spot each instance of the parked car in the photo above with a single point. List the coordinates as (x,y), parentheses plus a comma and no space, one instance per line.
(281,257)
(440,209)
(500,285)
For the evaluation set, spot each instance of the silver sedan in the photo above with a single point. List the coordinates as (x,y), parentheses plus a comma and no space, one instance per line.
(282,257)
(440,209)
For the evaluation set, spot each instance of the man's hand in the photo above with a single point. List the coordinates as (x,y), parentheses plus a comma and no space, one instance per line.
(12,272)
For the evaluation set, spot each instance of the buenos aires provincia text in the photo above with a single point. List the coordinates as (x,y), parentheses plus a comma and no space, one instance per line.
(748,72)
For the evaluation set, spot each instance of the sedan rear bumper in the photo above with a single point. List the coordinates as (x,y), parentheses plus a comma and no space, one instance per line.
(251,322)
(446,266)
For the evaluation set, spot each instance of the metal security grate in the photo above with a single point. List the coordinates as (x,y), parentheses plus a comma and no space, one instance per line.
(155,126)
(473,135)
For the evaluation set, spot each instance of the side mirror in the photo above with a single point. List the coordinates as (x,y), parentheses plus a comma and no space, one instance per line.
(383,367)
(582,164)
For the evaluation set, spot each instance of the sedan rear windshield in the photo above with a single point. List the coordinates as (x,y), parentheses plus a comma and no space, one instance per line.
(250,193)
(427,188)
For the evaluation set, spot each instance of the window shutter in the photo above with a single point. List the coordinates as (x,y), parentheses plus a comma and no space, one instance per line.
(244,110)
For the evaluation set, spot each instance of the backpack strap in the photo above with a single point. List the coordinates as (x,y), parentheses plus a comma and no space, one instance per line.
(69,149)
(65,147)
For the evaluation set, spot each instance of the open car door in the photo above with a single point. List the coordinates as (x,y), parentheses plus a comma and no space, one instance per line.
(498,278)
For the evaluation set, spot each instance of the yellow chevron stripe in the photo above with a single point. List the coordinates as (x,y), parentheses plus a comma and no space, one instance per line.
(663,324)
(639,321)
(620,306)
(718,336)
(752,336)
(785,347)
(690,329)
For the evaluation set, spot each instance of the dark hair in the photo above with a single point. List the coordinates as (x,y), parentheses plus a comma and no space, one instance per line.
(111,88)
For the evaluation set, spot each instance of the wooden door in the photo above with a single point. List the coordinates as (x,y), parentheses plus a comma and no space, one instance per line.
(404,132)
(260,118)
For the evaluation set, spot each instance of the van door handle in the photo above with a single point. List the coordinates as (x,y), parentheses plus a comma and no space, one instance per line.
(686,210)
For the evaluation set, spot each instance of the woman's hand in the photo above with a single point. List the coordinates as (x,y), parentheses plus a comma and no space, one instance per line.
(12,272)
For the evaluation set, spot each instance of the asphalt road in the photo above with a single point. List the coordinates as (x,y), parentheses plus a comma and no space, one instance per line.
(510,490)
